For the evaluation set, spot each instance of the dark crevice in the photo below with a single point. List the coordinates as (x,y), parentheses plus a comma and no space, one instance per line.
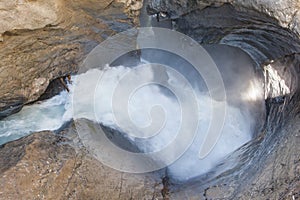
(54,88)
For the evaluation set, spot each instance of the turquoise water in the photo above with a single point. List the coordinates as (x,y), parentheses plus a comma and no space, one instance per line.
(46,115)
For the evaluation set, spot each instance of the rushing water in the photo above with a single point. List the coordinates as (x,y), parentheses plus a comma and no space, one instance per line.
(97,106)
(46,115)
(243,118)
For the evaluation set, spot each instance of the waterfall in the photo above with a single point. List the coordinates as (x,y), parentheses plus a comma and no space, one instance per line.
(96,102)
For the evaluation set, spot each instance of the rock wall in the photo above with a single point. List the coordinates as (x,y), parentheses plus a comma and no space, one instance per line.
(23,14)
(52,38)
(268,167)
(286,12)
(54,166)
(44,40)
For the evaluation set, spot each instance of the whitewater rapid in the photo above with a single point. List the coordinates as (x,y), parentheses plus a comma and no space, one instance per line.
(95,103)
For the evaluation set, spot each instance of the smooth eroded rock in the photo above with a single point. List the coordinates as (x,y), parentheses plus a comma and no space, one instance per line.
(286,12)
(49,41)
(45,165)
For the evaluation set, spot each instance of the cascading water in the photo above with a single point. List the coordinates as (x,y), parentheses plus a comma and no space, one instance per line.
(245,97)
(46,115)
(244,116)
(266,167)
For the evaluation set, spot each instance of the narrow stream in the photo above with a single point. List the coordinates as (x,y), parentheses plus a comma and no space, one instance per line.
(46,115)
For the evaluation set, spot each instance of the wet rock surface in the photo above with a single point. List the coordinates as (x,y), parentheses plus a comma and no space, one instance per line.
(286,12)
(46,165)
(10,106)
(268,167)
(257,34)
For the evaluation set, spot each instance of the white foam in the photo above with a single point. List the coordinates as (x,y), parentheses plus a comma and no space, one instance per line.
(236,130)
(95,103)
(47,115)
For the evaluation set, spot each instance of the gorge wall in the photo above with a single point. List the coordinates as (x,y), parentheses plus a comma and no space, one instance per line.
(268,31)
(42,41)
